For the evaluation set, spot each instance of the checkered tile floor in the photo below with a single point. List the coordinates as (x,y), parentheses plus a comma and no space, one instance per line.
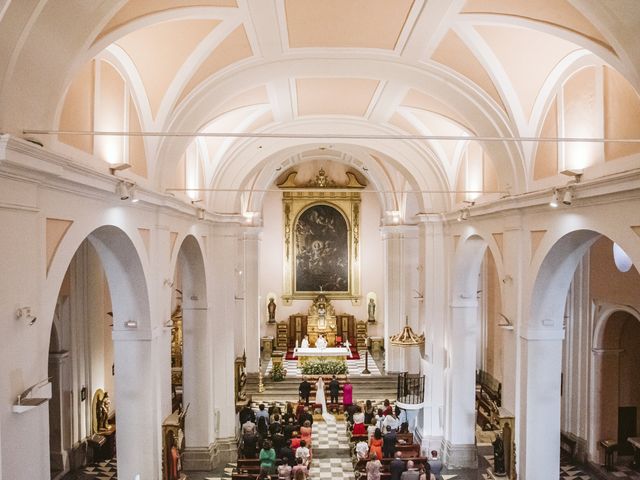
(107,470)
(332,468)
(355,368)
(329,435)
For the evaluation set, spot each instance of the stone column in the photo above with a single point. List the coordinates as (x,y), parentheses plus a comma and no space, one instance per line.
(59,411)
(137,425)
(539,407)
(400,264)
(606,379)
(223,260)
(434,311)
(251,312)
(459,442)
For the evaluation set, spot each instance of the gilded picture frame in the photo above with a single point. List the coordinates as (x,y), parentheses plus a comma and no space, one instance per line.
(321,243)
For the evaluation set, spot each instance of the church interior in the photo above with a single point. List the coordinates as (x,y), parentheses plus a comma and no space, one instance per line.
(206,204)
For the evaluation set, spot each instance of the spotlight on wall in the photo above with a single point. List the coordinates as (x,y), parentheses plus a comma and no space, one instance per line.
(460,216)
(24,313)
(466,213)
(134,196)
(567,198)
(123,190)
(201,214)
(553,203)
(131,324)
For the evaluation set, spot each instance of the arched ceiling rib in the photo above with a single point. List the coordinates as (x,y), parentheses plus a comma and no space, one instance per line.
(487,67)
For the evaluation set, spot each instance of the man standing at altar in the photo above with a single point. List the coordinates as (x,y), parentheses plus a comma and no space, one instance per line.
(321,342)
(304,390)
(334,389)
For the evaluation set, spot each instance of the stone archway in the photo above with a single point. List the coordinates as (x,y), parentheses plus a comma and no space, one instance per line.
(137,414)
(610,323)
(197,374)
(462,333)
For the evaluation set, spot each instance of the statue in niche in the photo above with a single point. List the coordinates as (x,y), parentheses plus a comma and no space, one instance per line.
(498,456)
(371,310)
(271,308)
(103,408)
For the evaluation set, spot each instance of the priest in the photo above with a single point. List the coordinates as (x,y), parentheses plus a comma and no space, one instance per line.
(321,343)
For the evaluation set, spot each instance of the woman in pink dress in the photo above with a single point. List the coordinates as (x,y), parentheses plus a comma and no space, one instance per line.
(347,393)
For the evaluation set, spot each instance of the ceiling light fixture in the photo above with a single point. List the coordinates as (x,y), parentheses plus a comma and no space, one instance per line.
(553,203)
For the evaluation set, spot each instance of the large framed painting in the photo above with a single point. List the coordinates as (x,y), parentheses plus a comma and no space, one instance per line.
(321,250)
(321,243)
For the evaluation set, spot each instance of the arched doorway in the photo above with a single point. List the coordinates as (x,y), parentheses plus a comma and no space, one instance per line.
(615,396)
(473,299)
(197,368)
(556,348)
(102,330)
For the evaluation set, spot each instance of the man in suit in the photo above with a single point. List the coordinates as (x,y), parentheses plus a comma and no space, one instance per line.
(397,466)
(334,389)
(389,443)
(304,390)
(305,416)
(435,463)
(411,473)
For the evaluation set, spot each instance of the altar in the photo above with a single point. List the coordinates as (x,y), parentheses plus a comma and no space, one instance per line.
(305,355)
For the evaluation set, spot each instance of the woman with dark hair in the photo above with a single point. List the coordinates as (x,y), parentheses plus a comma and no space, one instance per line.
(369,412)
(288,413)
(267,457)
(375,444)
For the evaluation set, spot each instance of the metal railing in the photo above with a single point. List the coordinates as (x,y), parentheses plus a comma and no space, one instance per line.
(410,389)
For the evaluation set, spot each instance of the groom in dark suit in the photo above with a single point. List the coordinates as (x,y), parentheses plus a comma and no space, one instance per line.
(334,389)
(304,390)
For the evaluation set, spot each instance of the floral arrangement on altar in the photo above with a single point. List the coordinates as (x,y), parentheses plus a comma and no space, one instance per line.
(278,372)
(328,367)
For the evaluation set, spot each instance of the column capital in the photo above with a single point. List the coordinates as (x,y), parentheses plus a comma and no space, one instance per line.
(436,218)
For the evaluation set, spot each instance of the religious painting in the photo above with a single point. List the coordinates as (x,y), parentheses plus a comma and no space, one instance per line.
(322,250)
(321,238)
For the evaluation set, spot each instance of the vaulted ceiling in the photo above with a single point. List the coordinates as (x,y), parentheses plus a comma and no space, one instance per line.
(371,68)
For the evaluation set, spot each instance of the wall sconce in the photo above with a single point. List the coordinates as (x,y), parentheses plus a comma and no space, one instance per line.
(24,313)
(131,324)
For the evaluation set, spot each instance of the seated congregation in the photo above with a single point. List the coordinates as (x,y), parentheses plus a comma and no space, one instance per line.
(277,444)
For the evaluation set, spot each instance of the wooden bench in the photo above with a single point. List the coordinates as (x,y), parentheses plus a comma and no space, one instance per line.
(568,443)
(488,398)
(362,464)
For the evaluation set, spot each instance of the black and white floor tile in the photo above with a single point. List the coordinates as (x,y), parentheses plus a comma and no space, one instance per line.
(329,435)
(107,470)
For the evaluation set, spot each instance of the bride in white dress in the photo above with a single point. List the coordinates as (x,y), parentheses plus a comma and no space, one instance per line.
(321,399)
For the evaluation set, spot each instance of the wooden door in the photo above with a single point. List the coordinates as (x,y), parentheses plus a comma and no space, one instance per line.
(627,418)
(297,329)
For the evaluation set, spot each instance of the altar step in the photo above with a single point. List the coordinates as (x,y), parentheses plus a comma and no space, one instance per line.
(375,387)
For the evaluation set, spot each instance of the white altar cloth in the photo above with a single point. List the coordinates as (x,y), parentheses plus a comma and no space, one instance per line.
(322,352)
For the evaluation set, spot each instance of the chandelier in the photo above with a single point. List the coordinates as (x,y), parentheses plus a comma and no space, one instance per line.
(407,338)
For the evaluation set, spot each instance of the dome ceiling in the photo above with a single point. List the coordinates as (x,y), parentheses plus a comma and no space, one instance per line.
(366,67)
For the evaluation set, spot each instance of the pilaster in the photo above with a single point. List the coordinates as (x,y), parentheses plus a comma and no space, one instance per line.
(401,278)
